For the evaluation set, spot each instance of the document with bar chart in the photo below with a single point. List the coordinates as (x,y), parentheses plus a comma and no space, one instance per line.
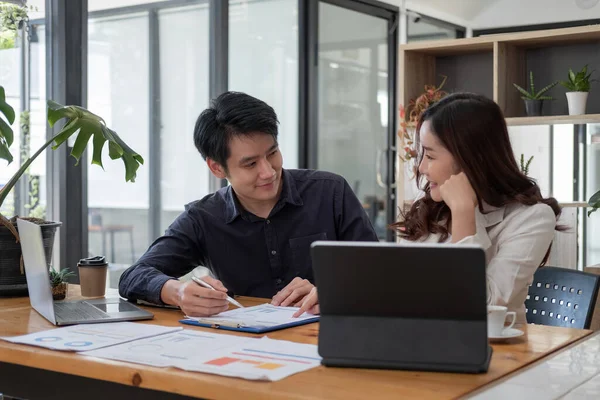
(221,354)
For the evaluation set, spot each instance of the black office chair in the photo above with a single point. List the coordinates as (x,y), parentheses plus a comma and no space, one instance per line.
(562,297)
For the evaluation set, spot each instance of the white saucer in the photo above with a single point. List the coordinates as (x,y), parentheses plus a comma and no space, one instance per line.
(508,334)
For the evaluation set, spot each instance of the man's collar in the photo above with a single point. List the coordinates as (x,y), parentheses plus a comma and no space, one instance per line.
(289,194)
(232,206)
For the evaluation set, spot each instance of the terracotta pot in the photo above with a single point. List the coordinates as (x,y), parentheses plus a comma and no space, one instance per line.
(59,292)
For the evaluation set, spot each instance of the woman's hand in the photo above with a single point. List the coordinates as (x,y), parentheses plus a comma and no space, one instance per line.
(458,194)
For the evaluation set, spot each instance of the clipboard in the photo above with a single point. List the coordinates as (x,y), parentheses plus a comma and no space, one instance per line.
(250,329)
(256,319)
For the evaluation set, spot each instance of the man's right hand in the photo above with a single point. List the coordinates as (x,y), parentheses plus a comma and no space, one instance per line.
(310,304)
(195,300)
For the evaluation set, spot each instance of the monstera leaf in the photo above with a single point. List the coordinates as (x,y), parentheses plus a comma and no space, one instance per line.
(90,125)
(594,202)
(78,121)
(6,132)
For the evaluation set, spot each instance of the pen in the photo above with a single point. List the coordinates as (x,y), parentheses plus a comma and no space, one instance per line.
(208,286)
(217,324)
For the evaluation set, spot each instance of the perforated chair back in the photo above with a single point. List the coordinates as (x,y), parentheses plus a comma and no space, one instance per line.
(562,297)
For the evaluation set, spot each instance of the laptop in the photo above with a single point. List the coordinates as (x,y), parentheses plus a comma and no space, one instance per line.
(66,312)
(395,306)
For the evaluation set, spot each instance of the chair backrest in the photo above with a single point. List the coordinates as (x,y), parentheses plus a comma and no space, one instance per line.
(562,297)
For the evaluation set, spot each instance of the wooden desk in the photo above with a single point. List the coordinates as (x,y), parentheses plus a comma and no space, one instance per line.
(112,379)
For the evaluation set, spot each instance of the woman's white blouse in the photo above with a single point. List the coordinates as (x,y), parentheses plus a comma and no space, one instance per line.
(515,239)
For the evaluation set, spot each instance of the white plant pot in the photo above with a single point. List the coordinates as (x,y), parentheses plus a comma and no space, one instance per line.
(577,102)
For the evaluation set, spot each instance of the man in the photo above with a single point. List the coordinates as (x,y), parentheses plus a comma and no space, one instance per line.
(255,234)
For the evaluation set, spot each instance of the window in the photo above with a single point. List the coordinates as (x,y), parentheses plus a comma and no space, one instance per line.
(263,62)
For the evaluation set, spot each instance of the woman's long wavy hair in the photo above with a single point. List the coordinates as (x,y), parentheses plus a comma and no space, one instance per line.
(472,128)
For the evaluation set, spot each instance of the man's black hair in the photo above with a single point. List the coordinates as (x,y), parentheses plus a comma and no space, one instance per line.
(231,114)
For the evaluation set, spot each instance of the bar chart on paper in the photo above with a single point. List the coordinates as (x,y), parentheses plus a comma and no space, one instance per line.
(249,358)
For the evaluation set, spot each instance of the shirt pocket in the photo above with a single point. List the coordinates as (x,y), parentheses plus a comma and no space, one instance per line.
(301,260)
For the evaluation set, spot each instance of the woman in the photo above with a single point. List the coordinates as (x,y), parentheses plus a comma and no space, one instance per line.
(475,193)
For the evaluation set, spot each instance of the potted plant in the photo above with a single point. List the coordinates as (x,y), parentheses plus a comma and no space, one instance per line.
(534,100)
(78,121)
(578,87)
(58,282)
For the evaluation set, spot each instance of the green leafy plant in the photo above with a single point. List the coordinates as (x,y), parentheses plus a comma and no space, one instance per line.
(533,95)
(415,109)
(58,277)
(580,81)
(12,18)
(525,165)
(78,121)
(594,203)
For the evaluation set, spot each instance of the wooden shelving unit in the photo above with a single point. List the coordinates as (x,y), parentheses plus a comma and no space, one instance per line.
(489,65)
(553,120)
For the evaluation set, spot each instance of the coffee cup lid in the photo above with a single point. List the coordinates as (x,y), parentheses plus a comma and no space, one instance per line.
(96,261)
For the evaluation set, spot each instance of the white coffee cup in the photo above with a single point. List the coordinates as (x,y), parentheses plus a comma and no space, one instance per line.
(496,318)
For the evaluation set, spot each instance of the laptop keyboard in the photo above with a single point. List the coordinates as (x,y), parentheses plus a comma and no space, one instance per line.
(78,312)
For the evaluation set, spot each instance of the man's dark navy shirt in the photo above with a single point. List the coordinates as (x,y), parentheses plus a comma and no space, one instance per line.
(252,256)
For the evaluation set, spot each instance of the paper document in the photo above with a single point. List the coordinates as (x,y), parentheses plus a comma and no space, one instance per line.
(264,315)
(90,336)
(221,354)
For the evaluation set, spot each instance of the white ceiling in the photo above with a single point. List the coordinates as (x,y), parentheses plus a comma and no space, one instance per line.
(482,14)
(475,14)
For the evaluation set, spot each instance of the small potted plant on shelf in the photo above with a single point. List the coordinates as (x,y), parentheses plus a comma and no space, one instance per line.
(578,87)
(58,282)
(534,100)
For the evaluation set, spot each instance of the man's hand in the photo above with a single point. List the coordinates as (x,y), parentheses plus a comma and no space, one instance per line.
(310,304)
(293,293)
(195,300)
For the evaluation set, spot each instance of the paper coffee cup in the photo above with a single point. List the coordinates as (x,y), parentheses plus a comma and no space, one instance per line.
(92,276)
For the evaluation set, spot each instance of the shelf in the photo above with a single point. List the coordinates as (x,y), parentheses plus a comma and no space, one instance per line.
(575,204)
(489,65)
(554,120)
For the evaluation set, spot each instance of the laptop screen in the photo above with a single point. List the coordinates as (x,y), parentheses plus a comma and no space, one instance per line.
(36,269)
